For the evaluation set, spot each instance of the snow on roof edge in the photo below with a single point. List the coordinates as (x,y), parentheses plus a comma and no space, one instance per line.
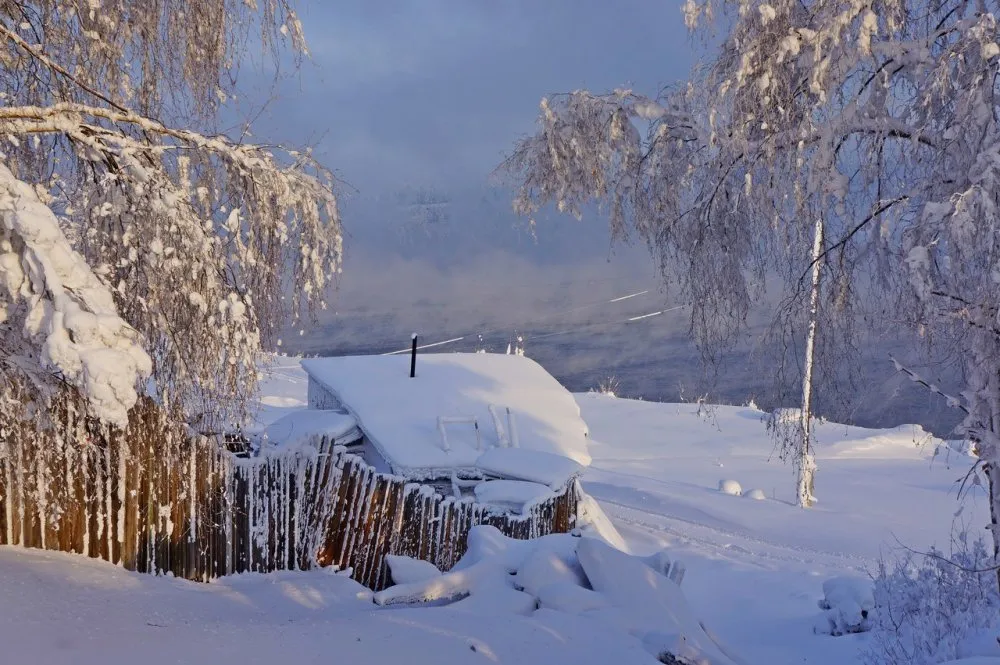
(357,418)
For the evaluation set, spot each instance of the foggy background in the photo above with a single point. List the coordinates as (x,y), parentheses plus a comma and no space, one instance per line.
(413,105)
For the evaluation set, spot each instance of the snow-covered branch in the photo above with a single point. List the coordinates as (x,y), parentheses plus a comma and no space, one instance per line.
(61,319)
(208,245)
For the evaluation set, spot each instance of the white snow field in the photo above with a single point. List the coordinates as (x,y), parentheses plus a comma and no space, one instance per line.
(62,609)
(753,569)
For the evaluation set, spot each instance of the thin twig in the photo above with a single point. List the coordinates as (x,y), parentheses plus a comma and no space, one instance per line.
(938,557)
(36,52)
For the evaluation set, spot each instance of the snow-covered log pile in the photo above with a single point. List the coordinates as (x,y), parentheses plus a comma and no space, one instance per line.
(562,573)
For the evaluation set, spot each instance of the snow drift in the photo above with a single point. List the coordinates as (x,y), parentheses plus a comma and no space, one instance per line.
(570,575)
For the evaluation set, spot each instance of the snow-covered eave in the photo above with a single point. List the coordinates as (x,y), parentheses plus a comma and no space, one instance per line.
(426,474)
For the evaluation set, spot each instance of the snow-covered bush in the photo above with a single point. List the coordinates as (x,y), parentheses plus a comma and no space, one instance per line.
(930,608)
(730,487)
(847,606)
(609,387)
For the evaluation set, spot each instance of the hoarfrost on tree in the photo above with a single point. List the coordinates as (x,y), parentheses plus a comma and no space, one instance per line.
(206,242)
(62,319)
(827,141)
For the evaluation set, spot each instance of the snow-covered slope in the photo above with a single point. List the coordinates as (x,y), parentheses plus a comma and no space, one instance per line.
(755,569)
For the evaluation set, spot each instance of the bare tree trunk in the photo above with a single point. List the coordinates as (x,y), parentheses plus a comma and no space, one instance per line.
(993,478)
(806,464)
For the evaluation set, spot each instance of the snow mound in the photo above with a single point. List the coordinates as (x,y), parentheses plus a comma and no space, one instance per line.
(512,495)
(400,415)
(730,487)
(756,495)
(407,570)
(847,604)
(67,609)
(544,567)
(591,520)
(530,465)
(857,443)
(583,577)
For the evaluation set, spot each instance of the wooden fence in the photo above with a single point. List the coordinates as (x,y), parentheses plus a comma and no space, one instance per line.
(153,499)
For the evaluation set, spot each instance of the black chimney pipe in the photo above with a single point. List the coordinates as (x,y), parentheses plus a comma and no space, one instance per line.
(413,357)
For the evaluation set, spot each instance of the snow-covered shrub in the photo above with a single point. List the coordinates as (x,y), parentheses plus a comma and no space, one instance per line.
(847,606)
(930,608)
(730,487)
(609,387)
(755,494)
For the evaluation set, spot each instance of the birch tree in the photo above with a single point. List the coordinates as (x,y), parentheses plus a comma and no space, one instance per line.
(194,247)
(865,129)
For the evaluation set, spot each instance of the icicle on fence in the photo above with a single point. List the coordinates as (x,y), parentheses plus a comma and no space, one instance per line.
(153,499)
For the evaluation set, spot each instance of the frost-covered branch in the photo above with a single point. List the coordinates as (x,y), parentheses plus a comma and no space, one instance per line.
(833,144)
(208,245)
(204,284)
(59,319)
(952,402)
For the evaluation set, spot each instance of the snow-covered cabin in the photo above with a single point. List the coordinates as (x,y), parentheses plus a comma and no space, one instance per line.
(464,418)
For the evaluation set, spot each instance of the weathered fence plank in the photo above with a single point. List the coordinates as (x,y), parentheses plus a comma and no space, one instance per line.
(154,499)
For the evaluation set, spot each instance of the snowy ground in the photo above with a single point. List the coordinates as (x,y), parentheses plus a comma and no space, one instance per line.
(755,568)
(63,609)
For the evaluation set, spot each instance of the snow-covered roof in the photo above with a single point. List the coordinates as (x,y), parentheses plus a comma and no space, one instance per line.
(400,415)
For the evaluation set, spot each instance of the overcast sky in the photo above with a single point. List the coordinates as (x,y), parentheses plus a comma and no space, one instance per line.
(434,92)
